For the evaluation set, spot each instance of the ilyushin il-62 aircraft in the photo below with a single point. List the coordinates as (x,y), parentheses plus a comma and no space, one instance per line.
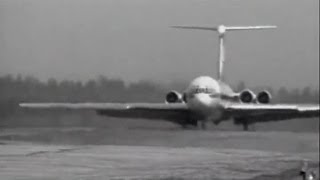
(205,99)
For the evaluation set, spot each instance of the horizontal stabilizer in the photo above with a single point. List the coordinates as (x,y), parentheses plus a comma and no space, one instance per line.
(196,27)
(249,27)
(222,29)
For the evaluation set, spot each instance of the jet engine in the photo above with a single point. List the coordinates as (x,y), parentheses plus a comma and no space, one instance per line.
(174,97)
(264,97)
(247,96)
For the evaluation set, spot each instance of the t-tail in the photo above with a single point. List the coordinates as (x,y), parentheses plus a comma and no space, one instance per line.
(222,33)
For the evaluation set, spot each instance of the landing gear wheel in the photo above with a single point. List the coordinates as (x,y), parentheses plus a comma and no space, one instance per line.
(242,121)
(203,125)
(193,123)
(245,126)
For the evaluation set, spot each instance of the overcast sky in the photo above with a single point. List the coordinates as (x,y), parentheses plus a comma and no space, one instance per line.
(131,39)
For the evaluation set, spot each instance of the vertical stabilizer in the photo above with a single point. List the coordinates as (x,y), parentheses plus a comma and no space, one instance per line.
(222,33)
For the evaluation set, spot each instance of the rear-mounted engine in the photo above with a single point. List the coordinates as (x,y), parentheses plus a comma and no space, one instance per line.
(247,96)
(264,97)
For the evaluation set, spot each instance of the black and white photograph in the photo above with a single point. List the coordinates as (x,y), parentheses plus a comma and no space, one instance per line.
(159,90)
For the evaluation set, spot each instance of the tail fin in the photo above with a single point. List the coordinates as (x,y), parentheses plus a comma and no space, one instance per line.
(222,31)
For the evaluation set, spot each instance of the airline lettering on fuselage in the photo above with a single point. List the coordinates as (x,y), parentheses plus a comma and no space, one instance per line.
(201,90)
(204,90)
(213,93)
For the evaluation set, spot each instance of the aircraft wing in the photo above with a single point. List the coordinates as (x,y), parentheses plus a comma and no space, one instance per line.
(172,111)
(270,112)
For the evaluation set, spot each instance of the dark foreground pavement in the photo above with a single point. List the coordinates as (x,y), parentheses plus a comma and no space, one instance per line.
(34,161)
(151,154)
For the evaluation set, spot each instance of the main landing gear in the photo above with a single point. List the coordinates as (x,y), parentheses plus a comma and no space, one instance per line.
(203,125)
(245,125)
(244,122)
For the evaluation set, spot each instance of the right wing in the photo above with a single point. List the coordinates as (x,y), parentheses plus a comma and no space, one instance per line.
(271,112)
(172,112)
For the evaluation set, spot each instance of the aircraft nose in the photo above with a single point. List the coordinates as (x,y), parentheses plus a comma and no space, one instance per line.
(203,99)
(200,102)
(205,105)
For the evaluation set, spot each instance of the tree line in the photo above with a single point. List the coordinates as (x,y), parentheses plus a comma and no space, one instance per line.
(15,89)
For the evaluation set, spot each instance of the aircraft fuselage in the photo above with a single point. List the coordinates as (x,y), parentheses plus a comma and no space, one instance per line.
(205,95)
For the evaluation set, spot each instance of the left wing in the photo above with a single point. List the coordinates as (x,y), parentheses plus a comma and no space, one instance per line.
(270,112)
(172,111)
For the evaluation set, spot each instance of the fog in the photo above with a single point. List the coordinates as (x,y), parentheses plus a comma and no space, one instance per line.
(131,40)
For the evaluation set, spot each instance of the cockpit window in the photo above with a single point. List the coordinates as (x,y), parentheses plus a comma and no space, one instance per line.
(204,90)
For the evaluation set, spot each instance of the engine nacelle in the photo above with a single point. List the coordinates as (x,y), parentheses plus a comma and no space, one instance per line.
(174,97)
(264,97)
(247,96)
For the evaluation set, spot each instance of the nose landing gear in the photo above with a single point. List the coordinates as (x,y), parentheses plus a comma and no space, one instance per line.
(194,123)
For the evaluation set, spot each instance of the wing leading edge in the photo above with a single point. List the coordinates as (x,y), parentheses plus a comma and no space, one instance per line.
(271,112)
(165,111)
(179,111)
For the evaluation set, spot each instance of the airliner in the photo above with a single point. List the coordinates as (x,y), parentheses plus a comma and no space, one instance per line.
(205,99)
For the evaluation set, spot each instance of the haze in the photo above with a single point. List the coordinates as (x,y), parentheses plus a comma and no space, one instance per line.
(131,40)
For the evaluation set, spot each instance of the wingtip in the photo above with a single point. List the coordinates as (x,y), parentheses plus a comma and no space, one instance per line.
(22,104)
(272,26)
(26,105)
(175,27)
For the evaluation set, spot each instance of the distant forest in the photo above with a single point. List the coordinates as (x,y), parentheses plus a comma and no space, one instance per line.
(15,89)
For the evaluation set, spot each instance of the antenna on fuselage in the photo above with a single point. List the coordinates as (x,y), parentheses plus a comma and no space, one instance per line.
(222,32)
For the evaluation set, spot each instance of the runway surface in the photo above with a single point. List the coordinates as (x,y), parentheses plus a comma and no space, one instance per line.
(154,154)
